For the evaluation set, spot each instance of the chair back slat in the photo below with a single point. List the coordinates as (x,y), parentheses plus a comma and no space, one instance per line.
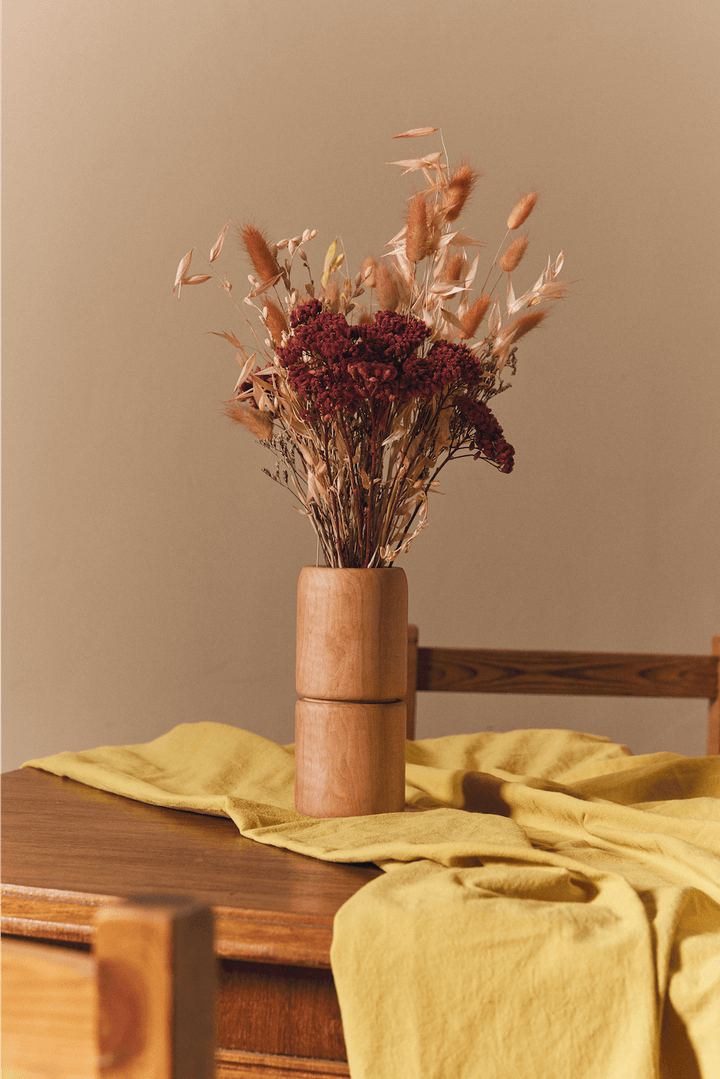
(614,674)
(597,674)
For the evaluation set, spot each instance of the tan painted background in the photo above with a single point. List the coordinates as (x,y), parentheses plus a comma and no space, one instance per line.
(150,568)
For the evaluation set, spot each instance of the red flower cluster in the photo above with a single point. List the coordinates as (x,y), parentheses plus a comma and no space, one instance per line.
(487,437)
(335,366)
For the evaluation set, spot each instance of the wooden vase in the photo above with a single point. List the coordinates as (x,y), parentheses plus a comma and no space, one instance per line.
(351,675)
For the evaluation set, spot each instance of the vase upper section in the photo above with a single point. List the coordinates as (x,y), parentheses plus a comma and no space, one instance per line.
(352,634)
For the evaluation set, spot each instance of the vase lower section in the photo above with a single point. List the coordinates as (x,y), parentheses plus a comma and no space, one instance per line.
(349,758)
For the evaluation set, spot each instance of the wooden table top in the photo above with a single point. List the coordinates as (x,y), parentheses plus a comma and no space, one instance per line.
(67,848)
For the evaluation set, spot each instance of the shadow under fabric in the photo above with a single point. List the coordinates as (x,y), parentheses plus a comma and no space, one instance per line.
(550,909)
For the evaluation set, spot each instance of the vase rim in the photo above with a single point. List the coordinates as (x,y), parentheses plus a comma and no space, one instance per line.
(356,569)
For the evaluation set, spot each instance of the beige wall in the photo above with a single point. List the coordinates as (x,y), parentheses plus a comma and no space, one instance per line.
(149,566)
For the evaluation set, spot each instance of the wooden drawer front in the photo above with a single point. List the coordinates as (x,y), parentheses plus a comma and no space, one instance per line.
(270,1008)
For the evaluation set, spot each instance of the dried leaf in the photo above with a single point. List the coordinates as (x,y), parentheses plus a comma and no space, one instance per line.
(459,239)
(184,263)
(217,246)
(196,279)
(263,287)
(510,300)
(416,132)
(452,319)
(495,320)
(329,259)
(228,337)
(414,164)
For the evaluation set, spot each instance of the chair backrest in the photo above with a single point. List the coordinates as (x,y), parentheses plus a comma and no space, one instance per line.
(618,674)
(142,1005)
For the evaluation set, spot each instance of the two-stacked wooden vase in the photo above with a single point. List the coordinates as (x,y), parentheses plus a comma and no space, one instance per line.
(351,675)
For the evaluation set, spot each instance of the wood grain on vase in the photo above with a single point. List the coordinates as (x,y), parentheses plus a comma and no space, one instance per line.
(352,634)
(349,758)
(351,675)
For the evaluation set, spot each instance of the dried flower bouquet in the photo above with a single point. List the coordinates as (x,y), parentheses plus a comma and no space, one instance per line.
(365,402)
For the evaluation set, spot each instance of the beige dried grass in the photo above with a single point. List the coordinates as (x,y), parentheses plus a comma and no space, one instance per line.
(473,317)
(263,261)
(386,286)
(366,494)
(275,320)
(454,267)
(369,268)
(522,210)
(458,191)
(522,325)
(258,423)
(418,238)
(513,256)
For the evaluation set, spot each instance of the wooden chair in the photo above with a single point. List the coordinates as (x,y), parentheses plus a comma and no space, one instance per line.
(141,1006)
(618,674)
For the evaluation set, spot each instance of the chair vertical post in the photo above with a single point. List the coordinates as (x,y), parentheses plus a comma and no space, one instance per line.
(156,979)
(713,741)
(411,693)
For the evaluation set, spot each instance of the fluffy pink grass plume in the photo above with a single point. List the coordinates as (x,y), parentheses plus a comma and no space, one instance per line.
(522,325)
(276,321)
(513,256)
(458,191)
(454,267)
(417,240)
(388,295)
(522,210)
(473,317)
(262,258)
(257,422)
(369,268)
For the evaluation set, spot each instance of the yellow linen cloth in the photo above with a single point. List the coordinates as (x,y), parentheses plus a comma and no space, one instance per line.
(553,912)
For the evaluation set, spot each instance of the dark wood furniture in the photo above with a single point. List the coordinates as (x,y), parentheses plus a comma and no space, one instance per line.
(68,849)
(616,674)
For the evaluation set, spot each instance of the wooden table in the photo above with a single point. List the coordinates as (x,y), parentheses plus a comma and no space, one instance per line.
(68,848)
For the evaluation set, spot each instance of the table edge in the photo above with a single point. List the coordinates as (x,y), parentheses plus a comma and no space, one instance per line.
(260,936)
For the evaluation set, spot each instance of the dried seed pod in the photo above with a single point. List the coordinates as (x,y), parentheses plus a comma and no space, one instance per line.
(331,296)
(524,324)
(275,321)
(522,210)
(458,191)
(259,423)
(513,256)
(369,271)
(454,267)
(417,239)
(261,256)
(388,295)
(474,316)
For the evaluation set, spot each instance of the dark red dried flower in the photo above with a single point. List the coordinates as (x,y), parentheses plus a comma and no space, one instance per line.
(485,433)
